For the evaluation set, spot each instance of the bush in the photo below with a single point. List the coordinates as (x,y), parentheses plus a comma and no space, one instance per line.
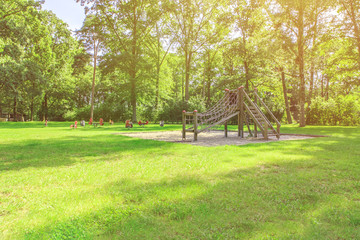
(342,110)
(70,115)
(172,111)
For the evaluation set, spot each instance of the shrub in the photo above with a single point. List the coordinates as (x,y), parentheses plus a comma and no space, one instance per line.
(342,110)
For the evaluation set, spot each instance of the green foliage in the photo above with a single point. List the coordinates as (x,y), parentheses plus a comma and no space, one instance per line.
(196,103)
(155,55)
(172,110)
(342,110)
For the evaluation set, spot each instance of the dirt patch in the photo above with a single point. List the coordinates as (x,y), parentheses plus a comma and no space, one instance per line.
(212,138)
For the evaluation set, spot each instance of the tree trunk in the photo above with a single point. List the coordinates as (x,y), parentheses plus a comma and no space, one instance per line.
(327,89)
(322,86)
(157,87)
(93,81)
(208,92)
(133,66)
(32,110)
(203,90)
(352,16)
(301,64)
(133,95)
(247,75)
(15,109)
(157,70)
(187,75)
(45,107)
(287,107)
(312,72)
(176,80)
(182,86)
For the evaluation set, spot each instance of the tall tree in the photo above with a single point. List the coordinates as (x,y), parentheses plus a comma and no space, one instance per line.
(91,35)
(253,37)
(298,18)
(128,23)
(195,23)
(158,48)
(351,9)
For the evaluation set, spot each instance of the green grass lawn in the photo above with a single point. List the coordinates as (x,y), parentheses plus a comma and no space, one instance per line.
(59,183)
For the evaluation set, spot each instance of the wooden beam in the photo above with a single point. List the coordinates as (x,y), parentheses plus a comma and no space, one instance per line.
(218,122)
(226,129)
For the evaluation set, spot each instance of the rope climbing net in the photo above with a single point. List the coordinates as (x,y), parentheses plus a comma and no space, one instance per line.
(225,107)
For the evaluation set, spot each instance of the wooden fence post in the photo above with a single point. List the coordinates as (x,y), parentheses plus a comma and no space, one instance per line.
(266,126)
(241,112)
(226,129)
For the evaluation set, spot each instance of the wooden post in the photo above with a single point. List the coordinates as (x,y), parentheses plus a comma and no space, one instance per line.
(226,129)
(195,125)
(256,102)
(248,126)
(278,130)
(241,112)
(184,125)
(266,126)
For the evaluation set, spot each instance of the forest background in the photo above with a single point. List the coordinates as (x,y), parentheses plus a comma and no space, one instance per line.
(150,59)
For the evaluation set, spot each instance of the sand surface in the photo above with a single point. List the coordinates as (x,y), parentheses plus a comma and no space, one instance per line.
(212,138)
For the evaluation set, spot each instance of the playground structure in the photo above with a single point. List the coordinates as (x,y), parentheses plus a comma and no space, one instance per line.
(128,124)
(234,103)
(143,123)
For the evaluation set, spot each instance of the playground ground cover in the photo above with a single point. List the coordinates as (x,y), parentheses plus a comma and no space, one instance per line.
(213,138)
(88,183)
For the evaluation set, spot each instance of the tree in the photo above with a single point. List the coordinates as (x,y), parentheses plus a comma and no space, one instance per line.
(194,24)
(91,35)
(20,32)
(298,19)
(128,23)
(158,53)
(253,39)
(17,7)
(351,9)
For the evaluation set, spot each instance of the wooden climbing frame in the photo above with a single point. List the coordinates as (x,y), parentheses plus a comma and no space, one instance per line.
(234,103)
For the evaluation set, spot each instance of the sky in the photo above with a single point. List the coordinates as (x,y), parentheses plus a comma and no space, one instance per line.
(69,11)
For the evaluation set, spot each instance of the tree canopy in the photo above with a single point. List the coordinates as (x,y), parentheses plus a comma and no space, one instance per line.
(149,60)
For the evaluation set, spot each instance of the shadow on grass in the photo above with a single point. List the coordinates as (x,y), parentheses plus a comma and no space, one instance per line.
(268,202)
(311,196)
(106,127)
(20,125)
(64,151)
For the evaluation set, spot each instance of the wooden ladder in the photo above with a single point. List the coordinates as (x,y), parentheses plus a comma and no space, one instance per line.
(259,117)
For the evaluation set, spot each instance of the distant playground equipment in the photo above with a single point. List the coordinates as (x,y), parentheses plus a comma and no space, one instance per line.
(128,124)
(96,124)
(74,125)
(161,123)
(234,103)
(143,123)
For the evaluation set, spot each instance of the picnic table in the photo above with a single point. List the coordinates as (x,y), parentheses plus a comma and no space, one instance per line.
(95,124)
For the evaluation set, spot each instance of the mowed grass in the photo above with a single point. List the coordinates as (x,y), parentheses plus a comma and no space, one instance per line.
(59,183)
